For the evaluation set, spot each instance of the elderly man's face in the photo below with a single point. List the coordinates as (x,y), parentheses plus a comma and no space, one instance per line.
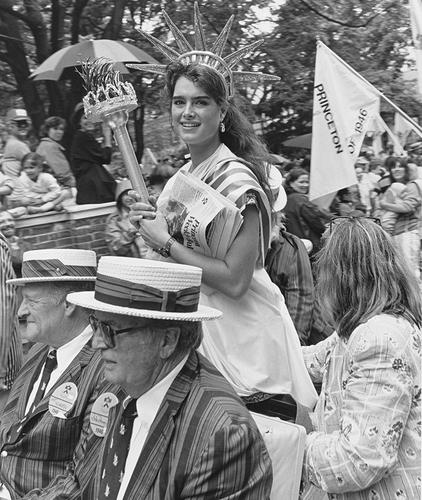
(44,314)
(135,362)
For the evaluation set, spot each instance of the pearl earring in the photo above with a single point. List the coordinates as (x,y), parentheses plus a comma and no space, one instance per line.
(222,127)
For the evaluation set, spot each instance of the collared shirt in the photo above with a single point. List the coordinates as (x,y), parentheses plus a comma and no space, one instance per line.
(147,407)
(65,355)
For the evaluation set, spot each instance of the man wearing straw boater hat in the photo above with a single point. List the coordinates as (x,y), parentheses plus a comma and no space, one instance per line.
(48,413)
(182,432)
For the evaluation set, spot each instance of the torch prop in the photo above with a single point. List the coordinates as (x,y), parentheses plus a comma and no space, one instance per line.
(109,100)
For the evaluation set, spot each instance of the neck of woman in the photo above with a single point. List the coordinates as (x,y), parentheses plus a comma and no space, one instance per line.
(199,153)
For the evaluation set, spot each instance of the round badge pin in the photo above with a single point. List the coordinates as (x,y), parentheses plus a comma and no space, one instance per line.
(63,400)
(98,418)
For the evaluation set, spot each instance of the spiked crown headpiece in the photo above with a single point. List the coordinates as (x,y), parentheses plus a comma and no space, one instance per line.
(201,54)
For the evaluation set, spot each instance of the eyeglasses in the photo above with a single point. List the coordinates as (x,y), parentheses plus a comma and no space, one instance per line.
(351,217)
(21,124)
(107,332)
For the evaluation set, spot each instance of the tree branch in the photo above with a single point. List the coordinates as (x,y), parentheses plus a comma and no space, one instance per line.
(343,23)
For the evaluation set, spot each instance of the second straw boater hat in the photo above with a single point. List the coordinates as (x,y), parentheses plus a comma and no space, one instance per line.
(147,289)
(57,264)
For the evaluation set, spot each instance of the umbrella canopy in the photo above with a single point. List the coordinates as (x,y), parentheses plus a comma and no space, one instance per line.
(73,55)
(301,141)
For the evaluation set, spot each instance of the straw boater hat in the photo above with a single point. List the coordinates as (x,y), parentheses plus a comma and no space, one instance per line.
(147,289)
(57,264)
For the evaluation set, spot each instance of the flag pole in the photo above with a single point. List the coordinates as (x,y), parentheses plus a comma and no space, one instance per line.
(380,94)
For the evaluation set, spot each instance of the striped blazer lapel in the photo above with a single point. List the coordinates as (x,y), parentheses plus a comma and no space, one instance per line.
(30,373)
(71,374)
(161,431)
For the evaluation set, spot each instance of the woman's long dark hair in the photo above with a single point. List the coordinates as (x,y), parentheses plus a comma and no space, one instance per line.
(239,135)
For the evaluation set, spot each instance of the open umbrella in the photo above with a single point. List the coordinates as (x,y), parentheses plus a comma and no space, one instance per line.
(73,55)
(301,141)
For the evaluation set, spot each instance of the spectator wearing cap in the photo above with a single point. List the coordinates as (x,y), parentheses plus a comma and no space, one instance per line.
(18,124)
(46,419)
(182,432)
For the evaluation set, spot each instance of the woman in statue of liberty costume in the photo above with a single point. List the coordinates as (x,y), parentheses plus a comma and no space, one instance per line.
(255,344)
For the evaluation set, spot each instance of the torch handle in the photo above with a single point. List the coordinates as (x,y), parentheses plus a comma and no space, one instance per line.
(134,170)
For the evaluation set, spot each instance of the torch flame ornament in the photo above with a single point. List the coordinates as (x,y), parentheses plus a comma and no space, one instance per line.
(110,100)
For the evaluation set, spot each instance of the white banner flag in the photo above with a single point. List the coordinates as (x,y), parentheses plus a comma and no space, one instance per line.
(344,104)
(416,23)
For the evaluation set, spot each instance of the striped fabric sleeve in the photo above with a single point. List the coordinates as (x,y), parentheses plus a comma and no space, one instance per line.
(8,311)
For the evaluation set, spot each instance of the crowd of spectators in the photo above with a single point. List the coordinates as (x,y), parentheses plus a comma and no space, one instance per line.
(50,178)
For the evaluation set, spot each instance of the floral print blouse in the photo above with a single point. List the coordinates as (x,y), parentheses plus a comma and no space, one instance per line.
(366,443)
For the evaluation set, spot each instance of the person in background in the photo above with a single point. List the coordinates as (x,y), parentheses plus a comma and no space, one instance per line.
(93,181)
(54,153)
(36,190)
(11,355)
(117,167)
(156,185)
(182,432)
(303,218)
(408,207)
(18,124)
(120,234)
(288,265)
(367,423)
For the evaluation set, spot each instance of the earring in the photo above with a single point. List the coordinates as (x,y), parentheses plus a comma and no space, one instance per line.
(222,127)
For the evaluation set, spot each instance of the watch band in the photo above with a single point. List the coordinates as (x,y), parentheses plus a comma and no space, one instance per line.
(165,250)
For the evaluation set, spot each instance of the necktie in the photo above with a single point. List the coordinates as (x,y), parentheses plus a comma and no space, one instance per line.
(49,366)
(117,449)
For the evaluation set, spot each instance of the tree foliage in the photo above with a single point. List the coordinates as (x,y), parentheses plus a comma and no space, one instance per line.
(373,36)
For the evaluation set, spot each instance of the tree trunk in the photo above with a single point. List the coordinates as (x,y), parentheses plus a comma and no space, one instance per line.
(9,28)
(113,27)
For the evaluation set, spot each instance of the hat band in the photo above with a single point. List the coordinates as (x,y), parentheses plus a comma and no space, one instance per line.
(54,268)
(118,292)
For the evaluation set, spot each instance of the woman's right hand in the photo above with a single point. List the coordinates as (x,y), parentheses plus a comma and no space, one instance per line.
(140,210)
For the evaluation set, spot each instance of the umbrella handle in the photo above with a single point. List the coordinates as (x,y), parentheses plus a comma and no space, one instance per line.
(117,122)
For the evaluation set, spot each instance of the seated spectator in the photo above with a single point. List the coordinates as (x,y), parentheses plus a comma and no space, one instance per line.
(182,432)
(18,124)
(35,189)
(120,234)
(54,153)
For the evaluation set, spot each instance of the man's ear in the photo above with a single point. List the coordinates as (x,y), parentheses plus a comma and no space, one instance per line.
(169,341)
(69,308)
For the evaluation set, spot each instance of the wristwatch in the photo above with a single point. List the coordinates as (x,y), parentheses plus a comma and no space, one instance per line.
(165,250)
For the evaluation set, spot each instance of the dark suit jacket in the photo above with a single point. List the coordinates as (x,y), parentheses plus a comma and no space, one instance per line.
(37,449)
(203,444)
